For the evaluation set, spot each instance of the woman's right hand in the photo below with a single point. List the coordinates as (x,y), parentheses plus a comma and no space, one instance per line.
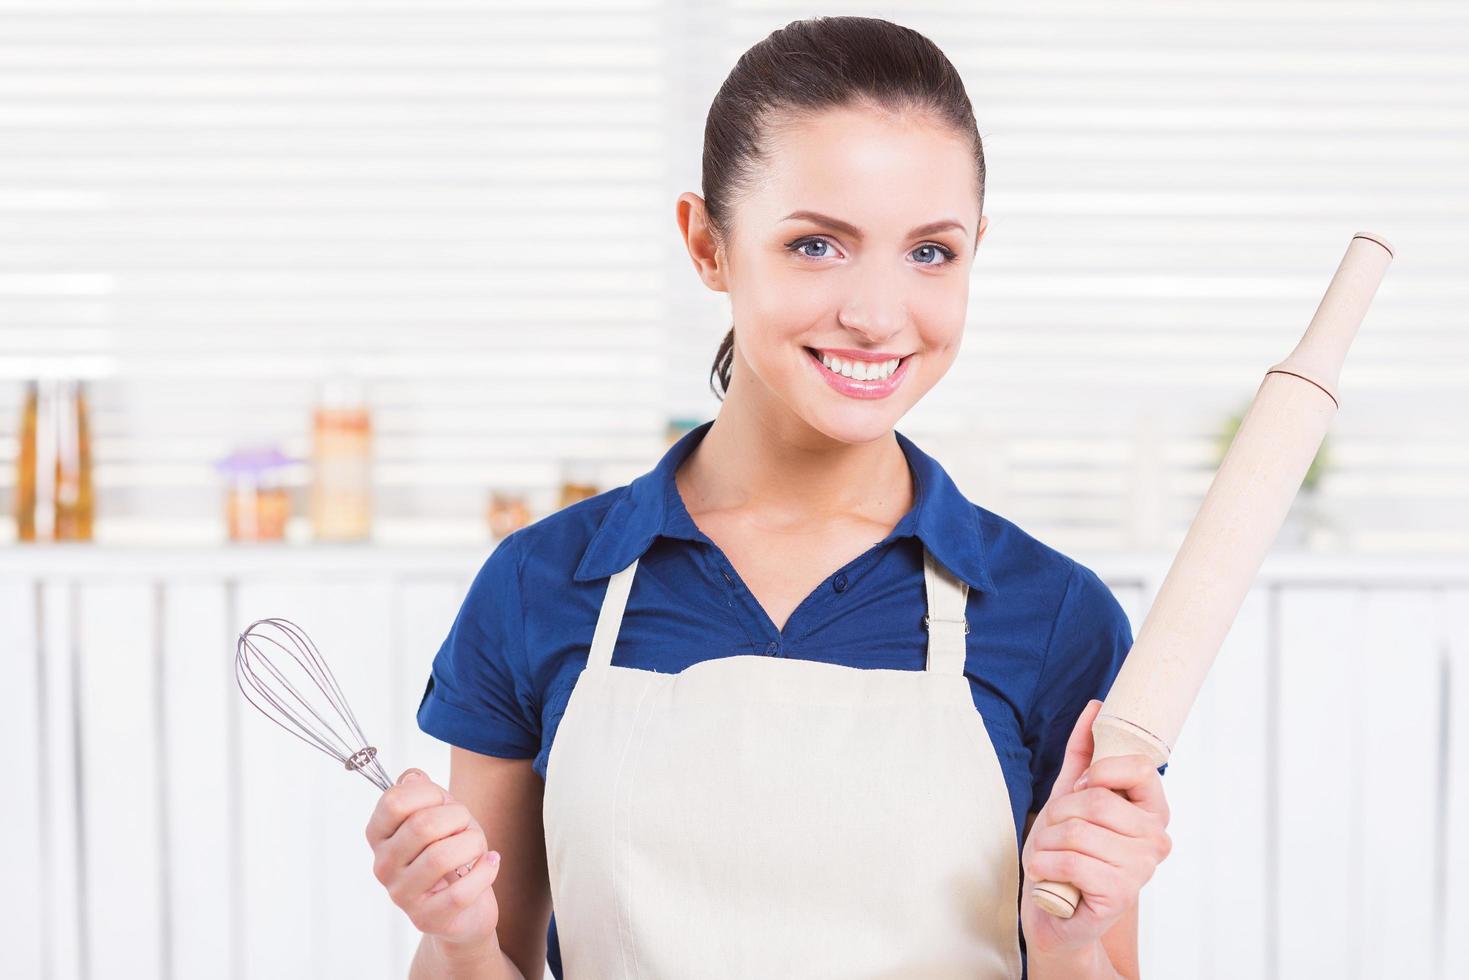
(419,836)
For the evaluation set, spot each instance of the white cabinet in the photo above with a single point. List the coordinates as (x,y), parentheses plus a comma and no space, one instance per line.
(155,825)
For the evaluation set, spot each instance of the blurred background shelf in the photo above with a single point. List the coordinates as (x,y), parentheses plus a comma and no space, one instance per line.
(68,560)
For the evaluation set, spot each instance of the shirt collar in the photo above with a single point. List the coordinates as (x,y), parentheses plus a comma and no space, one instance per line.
(942,518)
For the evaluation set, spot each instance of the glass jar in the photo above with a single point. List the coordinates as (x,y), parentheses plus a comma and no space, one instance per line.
(507,512)
(257,502)
(578,481)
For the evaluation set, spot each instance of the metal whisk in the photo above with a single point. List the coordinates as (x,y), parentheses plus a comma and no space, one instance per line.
(256,654)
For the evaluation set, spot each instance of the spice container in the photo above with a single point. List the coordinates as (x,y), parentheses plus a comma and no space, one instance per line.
(507,512)
(578,481)
(341,464)
(677,428)
(257,503)
(54,500)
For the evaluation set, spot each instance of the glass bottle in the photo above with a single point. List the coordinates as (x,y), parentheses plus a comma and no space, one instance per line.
(25,481)
(341,464)
(54,494)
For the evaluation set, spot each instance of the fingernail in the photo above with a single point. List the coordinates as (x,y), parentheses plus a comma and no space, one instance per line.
(410,774)
(494,856)
(1080,783)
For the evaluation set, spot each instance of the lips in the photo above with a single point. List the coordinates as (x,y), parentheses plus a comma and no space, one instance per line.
(853,388)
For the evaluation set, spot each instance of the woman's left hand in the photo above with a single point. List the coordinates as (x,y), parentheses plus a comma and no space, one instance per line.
(1105,843)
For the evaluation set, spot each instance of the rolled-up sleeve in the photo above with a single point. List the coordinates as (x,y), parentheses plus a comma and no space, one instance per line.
(479,695)
(1089,641)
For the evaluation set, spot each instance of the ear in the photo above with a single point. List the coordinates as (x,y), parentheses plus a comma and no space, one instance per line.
(709,257)
(984,222)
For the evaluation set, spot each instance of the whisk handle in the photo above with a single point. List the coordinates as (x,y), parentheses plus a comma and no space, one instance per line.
(362,757)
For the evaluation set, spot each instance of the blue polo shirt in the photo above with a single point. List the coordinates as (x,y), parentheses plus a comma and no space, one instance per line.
(1045,636)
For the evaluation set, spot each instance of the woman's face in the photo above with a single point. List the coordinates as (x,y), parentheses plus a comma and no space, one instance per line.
(855,243)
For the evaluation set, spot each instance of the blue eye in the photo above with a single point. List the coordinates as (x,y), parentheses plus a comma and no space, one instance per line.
(799,247)
(947,253)
(800,244)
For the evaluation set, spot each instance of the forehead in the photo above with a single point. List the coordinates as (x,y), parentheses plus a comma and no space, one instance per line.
(878,170)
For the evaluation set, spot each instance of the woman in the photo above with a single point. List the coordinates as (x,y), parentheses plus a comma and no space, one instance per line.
(788,705)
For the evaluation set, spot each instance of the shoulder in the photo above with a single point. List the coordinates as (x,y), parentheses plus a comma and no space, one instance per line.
(1078,636)
(570,526)
(546,552)
(1080,629)
(524,590)
(1026,568)
(1066,609)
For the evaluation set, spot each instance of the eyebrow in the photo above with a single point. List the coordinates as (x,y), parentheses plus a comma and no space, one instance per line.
(852,230)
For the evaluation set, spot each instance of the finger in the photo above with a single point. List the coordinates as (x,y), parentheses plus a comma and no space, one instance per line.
(464,890)
(1136,777)
(419,830)
(1079,750)
(1096,840)
(1093,878)
(449,878)
(413,775)
(398,802)
(441,858)
(458,871)
(1105,807)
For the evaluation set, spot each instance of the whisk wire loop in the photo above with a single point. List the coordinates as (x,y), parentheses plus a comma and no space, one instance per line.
(278,698)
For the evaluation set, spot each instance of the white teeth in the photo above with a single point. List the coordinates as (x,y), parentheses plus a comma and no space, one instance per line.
(861,370)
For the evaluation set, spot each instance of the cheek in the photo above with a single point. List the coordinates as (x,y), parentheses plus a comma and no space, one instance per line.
(775,310)
(950,302)
(765,335)
(785,299)
(942,316)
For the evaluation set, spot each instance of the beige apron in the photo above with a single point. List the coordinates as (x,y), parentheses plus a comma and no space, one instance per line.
(766,818)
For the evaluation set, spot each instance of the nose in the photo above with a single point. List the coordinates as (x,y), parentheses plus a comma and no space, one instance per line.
(874,310)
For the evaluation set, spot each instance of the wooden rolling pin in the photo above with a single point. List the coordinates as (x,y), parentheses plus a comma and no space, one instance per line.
(1236,525)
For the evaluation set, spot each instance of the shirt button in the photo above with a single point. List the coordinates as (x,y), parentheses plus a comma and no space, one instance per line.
(771,647)
(839,583)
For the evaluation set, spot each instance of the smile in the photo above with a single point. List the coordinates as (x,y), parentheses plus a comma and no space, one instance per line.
(857,378)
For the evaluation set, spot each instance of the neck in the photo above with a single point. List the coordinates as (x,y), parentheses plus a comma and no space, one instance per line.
(771,463)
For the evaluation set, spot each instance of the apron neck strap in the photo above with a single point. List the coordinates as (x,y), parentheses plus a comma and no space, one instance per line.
(946,624)
(609,620)
(946,594)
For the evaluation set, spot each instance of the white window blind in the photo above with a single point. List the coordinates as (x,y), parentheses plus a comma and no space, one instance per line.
(207,208)
(1170,188)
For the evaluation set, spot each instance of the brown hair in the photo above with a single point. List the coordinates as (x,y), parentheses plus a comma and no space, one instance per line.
(802,69)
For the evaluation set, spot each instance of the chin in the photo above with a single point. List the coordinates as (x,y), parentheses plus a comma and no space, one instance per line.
(854,425)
